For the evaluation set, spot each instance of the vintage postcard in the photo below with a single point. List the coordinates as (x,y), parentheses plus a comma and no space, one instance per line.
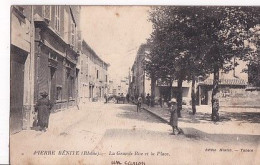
(134,85)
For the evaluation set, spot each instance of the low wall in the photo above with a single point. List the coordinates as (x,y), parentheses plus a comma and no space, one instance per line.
(240,97)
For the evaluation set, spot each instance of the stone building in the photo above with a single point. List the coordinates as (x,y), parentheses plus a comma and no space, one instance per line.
(235,88)
(140,83)
(118,86)
(22,69)
(93,75)
(44,58)
(57,51)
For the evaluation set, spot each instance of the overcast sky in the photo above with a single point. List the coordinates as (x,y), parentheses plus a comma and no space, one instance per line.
(115,34)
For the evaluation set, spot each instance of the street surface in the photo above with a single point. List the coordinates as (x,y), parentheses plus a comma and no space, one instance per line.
(111,133)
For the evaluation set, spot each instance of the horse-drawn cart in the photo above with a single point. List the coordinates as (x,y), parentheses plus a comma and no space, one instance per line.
(120,99)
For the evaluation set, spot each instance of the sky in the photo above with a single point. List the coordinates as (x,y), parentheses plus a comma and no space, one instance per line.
(115,34)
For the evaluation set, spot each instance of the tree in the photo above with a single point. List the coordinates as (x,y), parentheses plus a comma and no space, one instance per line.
(164,51)
(175,29)
(252,55)
(193,41)
(225,28)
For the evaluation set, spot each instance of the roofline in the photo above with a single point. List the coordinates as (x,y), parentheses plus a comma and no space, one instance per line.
(93,52)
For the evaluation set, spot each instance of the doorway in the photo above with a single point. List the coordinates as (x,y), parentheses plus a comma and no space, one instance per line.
(18,58)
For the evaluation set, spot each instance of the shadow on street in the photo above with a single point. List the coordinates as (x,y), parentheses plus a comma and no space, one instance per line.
(189,134)
(247,117)
(219,138)
(201,117)
(129,111)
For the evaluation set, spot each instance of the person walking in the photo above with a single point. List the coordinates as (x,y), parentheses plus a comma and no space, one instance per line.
(148,99)
(174,117)
(139,103)
(43,109)
(105,96)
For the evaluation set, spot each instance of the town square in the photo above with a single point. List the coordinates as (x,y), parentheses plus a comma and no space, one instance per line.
(134,85)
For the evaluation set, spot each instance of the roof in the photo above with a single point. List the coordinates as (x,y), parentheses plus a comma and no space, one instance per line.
(84,44)
(234,81)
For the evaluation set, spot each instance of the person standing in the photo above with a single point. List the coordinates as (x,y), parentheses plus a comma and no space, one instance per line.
(127,97)
(174,117)
(105,96)
(139,103)
(148,99)
(43,108)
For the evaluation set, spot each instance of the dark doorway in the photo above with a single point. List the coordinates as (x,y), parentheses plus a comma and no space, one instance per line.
(18,58)
(52,84)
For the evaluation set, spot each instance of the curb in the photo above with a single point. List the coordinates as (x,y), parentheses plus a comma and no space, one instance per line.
(157,116)
(240,106)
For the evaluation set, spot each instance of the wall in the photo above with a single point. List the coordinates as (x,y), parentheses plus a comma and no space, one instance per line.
(97,86)
(22,68)
(239,97)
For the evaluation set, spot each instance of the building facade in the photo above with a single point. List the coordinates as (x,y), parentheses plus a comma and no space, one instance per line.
(235,88)
(93,75)
(140,84)
(57,52)
(22,69)
(119,86)
(45,46)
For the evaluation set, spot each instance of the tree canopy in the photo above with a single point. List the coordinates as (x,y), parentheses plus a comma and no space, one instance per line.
(193,41)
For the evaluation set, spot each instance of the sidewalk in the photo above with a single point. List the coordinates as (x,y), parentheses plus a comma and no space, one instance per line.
(245,121)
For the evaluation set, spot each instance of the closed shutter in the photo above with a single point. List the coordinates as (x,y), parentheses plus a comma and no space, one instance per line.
(43,78)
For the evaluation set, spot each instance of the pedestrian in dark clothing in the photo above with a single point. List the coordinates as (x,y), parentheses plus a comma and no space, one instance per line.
(127,97)
(174,117)
(105,96)
(139,103)
(43,108)
(132,99)
(160,101)
(148,99)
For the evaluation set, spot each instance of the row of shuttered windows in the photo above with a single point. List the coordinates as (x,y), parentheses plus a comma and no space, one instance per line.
(47,13)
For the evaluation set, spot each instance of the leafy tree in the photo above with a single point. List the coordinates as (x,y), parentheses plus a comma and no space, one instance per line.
(191,41)
(176,35)
(225,28)
(252,55)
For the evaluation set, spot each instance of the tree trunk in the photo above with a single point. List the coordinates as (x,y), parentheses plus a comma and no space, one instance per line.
(179,97)
(153,84)
(215,100)
(193,95)
(170,90)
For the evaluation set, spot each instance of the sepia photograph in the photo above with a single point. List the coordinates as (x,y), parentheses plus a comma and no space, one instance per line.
(134,85)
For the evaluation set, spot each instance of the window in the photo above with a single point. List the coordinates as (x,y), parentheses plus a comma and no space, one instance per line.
(71,88)
(66,26)
(106,78)
(57,18)
(73,33)
(86,69)
(46,12)
(97,74)
(58,93)
(53,56)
